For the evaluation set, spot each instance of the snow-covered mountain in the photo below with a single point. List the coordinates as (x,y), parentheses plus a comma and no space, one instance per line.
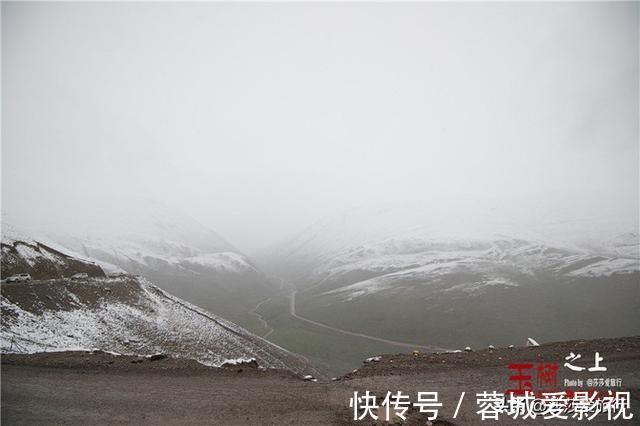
(493,262)
(126,315)
(176,252)
(449,276)
(22,254)
(391,237)
(146,235)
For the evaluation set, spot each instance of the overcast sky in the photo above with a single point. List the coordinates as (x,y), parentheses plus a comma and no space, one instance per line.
(258,119)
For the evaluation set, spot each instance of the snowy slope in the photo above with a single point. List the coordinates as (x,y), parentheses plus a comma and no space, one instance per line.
(23,254)
(449,237)
(223,262)
(148,254)
(501,262)
(136,235)
(178,253)
(139,235)
(125,315)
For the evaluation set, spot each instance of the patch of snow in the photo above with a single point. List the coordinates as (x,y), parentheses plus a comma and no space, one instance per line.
(238,361)
(532,342)
(479,285)
(608,267)
(109,268)
(224,261)
(28,253)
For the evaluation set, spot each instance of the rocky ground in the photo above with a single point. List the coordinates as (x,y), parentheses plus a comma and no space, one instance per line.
(620,349)
(100,388)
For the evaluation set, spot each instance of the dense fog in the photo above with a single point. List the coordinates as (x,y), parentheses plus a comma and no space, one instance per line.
(257,120)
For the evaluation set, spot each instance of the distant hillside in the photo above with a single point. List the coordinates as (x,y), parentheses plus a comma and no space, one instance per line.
(452,278)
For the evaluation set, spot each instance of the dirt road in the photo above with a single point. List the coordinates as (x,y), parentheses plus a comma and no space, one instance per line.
(82,388)
(292,304)
(40,395)
(264,323)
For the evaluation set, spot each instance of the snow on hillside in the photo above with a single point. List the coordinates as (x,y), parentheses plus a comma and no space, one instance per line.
(443,220)
(42,261)
(224,262)
(155,255)
(395,261)
(422,241)
(133,235)
(143,222)
(608,267)
(29,246)
(128,316)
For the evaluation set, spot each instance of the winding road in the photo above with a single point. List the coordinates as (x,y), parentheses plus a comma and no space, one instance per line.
(292,304)
(261,319)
